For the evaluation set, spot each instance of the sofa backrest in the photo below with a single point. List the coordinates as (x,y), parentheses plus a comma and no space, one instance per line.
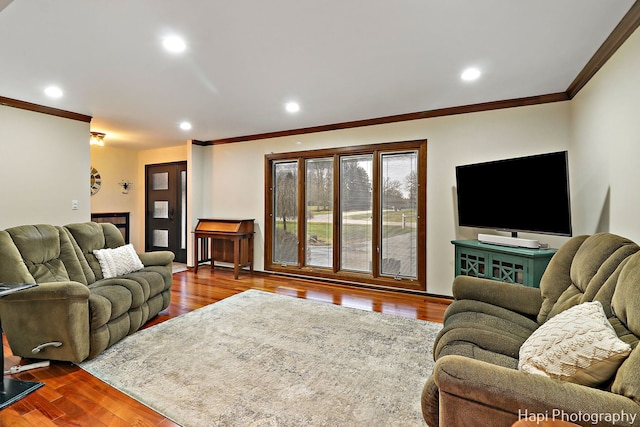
(47,253)
(89,236)
(584,269)
(625,306)
(12,266)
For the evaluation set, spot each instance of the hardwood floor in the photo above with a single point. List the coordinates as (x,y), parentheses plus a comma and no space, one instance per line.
(72,397)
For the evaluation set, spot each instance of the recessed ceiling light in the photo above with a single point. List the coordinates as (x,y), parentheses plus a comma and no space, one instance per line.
(470,74)
(185,125)
(174,44)
(292,107)
(53,91)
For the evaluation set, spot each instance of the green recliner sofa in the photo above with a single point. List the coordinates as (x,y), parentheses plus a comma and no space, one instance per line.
(75,313)
(476,380)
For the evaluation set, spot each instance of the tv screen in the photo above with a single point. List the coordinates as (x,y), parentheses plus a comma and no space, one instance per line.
(528,194)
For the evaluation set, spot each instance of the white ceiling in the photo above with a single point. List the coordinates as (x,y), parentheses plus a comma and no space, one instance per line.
(342,60)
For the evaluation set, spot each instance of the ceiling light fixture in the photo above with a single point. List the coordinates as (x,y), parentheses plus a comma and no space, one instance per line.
(174,44)
(97,138)
(470,74)
(53,92)
(292,107)
(185,126)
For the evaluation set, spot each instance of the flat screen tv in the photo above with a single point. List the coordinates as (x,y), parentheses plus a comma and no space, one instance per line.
(529,194)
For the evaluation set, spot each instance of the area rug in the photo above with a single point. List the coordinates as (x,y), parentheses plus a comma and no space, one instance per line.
(262,359)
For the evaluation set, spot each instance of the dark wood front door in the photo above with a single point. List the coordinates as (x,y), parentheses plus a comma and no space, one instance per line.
(166,208)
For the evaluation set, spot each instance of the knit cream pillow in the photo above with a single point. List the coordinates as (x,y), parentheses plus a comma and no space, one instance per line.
(578,345)
(118,261)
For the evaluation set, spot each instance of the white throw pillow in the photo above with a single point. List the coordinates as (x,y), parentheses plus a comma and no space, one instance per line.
(118,261)
(578,345)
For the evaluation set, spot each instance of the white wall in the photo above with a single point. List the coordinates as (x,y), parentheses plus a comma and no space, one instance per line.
(44,165)
(233,176)
(195,193)
(116,165)
(120,164)
(606,143)
(150,157)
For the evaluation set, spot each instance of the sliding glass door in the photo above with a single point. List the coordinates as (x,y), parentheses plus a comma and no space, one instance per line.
(350,214)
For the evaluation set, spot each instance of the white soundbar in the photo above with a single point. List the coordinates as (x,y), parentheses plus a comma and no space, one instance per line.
(509,241)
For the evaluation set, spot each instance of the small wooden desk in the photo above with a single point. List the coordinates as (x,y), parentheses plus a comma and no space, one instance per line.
(231,240)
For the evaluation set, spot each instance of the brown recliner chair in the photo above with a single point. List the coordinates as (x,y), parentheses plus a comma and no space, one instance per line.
(476,381)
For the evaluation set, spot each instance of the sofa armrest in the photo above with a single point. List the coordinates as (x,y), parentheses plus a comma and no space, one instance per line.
(476,393)
(521,299)
(49,292)
(156,258)
(57,311)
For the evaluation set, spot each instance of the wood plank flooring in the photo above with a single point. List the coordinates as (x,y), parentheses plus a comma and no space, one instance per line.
(72,397)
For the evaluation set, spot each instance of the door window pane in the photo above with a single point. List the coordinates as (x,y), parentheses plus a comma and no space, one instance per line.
(161,209)
(356,212)
(399,226)
(319,212)
(285,193)
(160,181)
(161,238)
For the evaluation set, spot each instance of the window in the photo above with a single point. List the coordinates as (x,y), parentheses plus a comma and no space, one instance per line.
(353,214)
(356,212)
(319,215)
(285,225)
(399,223)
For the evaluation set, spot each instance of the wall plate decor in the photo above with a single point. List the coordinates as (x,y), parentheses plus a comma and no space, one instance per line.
(96,181)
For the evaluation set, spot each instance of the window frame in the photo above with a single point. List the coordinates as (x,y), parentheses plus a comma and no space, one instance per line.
(375,278)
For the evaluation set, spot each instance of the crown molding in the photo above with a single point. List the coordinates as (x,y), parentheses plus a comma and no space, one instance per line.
(629,23)
(618,36)
(9,102)
(472,108)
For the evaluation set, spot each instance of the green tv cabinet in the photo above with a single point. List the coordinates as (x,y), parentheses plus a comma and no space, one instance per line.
(504,263)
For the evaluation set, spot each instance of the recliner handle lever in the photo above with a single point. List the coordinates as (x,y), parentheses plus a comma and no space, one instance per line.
(37,349)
